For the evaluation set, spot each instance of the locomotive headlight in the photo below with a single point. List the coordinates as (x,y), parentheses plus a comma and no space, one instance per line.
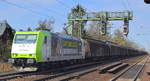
(30,60)
(11,60)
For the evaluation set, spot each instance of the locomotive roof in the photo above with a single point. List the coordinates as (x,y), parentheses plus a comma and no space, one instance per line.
(66,36)
(54,34)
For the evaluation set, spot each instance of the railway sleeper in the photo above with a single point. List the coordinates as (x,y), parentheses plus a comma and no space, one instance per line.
(117,68)
(80,65)
(104,70)
(77,76)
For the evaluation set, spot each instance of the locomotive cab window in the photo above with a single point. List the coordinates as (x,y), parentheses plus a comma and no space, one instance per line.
(45,40)
(25,38)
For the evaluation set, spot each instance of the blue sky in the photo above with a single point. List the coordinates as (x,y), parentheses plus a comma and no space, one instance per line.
(30,12)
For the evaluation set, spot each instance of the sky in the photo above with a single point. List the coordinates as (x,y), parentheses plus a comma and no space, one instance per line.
(21,14)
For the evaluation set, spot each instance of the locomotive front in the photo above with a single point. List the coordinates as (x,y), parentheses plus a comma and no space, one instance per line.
(23,53)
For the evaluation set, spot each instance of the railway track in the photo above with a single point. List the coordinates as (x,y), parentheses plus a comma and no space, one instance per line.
(69,75)
(63,74)
(52,72)
(15,75)
(131,73)
(68,70)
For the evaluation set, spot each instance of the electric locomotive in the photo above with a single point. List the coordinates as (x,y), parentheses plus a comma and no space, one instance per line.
(33,49)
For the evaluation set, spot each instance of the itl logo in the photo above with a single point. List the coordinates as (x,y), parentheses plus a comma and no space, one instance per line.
(22,45)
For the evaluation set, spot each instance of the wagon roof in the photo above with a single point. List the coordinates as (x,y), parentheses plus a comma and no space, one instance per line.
(96,41)
(67,37)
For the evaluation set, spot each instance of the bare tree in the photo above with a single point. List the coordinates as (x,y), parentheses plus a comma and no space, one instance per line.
(45,24)
(78,11)
(93,31)
(118,34)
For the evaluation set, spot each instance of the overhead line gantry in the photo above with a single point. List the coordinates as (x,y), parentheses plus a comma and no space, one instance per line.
(102,17)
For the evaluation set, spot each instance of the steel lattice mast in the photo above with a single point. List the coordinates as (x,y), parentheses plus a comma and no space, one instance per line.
(103,17)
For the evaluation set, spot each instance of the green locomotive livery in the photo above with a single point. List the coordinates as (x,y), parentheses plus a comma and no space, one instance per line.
(31,49)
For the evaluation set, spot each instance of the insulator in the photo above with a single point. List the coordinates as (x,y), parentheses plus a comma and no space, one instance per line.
(125,31)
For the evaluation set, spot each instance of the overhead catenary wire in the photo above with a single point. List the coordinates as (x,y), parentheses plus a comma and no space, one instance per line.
(129,5)
(124,4)
(49,10)
(63,4)
(28,9)
(73,2)
(76,2)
